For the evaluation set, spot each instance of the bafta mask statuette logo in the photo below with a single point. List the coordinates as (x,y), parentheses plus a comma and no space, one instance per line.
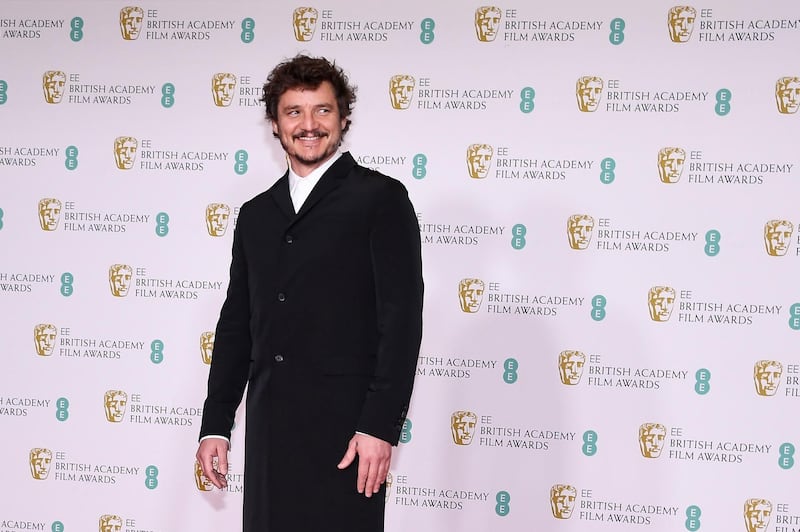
(304,22)
(53,83)
(217,215)
(562,500)
(49,213)
(200,480)
(401,90)
(487,22)
(651,439)
(579,231)
(680,21)
(110,523)
(588,91)
(767,377)
(787,94)
(130,22)
(479,160)
(470,294)
(670,164)
(223,88)
(115,402)
(206,346)
(570,367)
(44,339)
(757,513)
(125,152)
(39,460)
(462,426)
(778,237)
(119,279)
(660,301)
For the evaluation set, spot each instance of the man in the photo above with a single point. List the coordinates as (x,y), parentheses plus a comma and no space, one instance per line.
(322,322)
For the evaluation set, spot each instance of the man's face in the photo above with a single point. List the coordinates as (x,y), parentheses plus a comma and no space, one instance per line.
(661,303)
(789,97)
(480,160)
(487,24)
(670,165)
(767,379)
(652,441)
(126,153)
(54,87)
(562,501)
(757,516)
(305,22)
(402,90)
(571,367)
(309,126)
(218,221)
(131,23)
(589,95)
(471,297)
(45,339)
(681,23)
(580,233)
(40,464)
(778,239)
(463,429)
(48,215)
(224,89)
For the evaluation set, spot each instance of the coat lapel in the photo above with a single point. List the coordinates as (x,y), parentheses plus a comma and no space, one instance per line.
(328,182)
(280,194)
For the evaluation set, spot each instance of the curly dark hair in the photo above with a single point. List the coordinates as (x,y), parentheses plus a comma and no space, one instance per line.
(307,72)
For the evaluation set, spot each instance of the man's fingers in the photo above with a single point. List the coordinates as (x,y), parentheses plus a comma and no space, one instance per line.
(349,455)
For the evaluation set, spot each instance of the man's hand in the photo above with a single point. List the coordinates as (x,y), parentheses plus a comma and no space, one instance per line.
(209,450)
(374,457)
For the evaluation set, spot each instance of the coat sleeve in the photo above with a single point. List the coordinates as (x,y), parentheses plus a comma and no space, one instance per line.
(230,360)
(396,255)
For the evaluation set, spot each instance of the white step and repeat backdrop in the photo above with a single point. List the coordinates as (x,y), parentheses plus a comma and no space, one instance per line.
(608,198)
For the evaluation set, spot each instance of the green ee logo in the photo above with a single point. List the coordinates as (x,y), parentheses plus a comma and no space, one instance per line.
(156,351)
(607,166)
(723,106)
(62,409)
(786,459)
(426,36)
(1,218)
(3,91)
(589,446)
(510,367)
(151,477)
(702,383)
(405,432)
(162,224)
(693,518)
(794,319)
(240,164)
(248,25)
(526,97)
(76,29)
(57,526)
(66,284)
(712,243)
(598,312)
(518,236)
(617,34)
(503,506)
(167,95)
(71,157)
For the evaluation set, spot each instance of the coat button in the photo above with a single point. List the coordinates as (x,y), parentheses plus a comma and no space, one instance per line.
(281,297)
(278,358)
(289,239)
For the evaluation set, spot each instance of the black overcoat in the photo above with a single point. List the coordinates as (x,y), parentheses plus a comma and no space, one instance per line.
(322,322)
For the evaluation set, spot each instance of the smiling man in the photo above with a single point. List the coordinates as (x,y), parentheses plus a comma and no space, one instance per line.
(322,322)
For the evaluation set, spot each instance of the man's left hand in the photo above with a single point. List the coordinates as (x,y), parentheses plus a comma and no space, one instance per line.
(374,457)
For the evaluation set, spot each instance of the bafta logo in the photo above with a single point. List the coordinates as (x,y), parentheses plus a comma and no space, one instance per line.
(470,295)
(462,426)
(670,164)
(304,22)
(200,480)
(115,402)
(206,346)
(579,230)
(44,338)
(40,459)
(217,215)
(487,22)
(651,439)
(119,279)
(570,367)
(767,377)
(125,152)
(588,91)
(130,22)
(680,21)
(110,523)
(49,213)
(757,513)
(479,160)
(53,83)
(660,300)
(778,237)
(389,481)
(562,500)
(787,94)
(401,90)
(223,88)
